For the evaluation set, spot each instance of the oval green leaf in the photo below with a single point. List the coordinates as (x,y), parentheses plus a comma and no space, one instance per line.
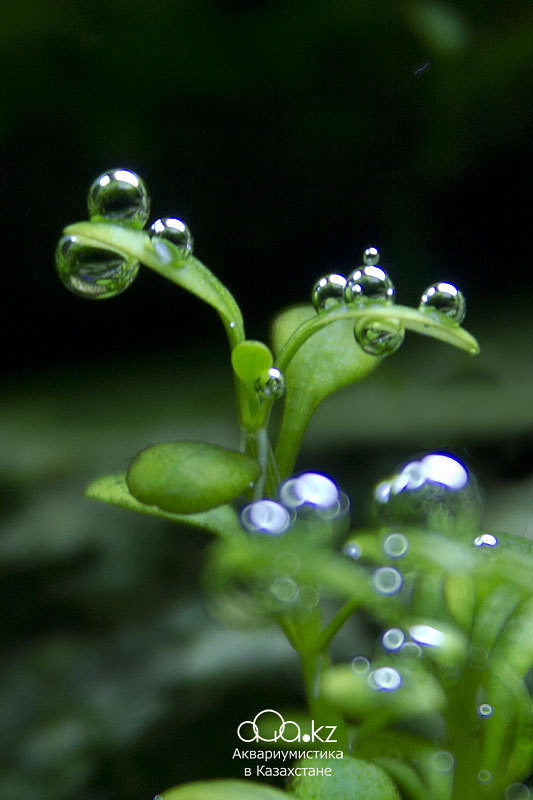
(350,778)
(187,477)
(251,358)
(223,790)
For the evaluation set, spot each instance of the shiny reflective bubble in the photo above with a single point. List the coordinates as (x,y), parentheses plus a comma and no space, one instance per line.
(352,550)
(411,650)
(387,580)
(517,791)
(446,299)
(360,664)
(436,492)
(121,196)
(270,384)
(284,589)
(396,545)
(385,679)
(310,488)
(328,292)
(369,284)
(393,639)
(265,516)
(427,635)
(484,776)
(175,231)
(371,255)
(485,540)
(92,272)
(379,337)
(443,761)
(485,710)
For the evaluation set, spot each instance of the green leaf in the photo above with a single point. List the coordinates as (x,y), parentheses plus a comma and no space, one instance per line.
(163,257)
(350,779)
(187,477)
(350,691)
(250,359)
(223,790)
(113,489)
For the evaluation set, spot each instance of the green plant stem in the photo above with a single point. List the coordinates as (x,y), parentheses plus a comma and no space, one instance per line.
(331,630)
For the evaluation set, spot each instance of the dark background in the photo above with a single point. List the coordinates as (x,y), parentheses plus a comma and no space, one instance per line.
(289,136)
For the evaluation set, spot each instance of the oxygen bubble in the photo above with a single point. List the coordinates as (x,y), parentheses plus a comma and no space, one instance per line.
(435,491)
(393,639)
(352,550)
(387,580)
(287,563)
(485,710)
(485,540)
(121,196)
(411,649)
(175,231)
(379,337)
(427,635)
(369,284)
(328,292)
(396,545)
(265,516)
(371,255)
(443,761)
(360,664)
(270,384)
(444,298)
(385,679)
(92,272)
(310,488)
(308,597)
(517,791)
(484,776)
(285,590)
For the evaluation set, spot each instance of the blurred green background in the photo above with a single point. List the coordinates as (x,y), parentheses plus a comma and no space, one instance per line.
(289,135)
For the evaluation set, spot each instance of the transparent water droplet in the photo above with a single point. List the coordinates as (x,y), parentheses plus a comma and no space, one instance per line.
(485,710)
(172,230)
(119,195)
(411,650)
(517,791)
(427,635)
(484,776)
(328,292)
(393,639)
(285,590)
(371,255)
(369,284)
(385,679)
(485,540)
(360,664)
(387,580)
(396,545)
(435,491)
(265,516)
(271,384)
(352,550)
(311,488)
(444,298)
(379,337)
(92,272)
(443,761)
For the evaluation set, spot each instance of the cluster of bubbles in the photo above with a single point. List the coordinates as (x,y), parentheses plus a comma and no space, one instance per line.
(117,196)
(310,496)
(370,284)
(436,491)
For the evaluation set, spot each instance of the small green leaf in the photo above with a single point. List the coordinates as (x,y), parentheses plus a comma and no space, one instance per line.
(167,260)
(350,779)
(460,595)
(250,359)
(223,790)
(113,489)
(187,477)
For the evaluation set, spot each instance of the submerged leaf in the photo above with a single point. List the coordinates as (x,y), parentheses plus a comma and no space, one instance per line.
(113,489)
(223,790)
(350,778)
(186,477)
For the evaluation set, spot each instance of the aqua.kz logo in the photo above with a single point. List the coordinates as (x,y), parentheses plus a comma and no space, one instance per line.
(281,730)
